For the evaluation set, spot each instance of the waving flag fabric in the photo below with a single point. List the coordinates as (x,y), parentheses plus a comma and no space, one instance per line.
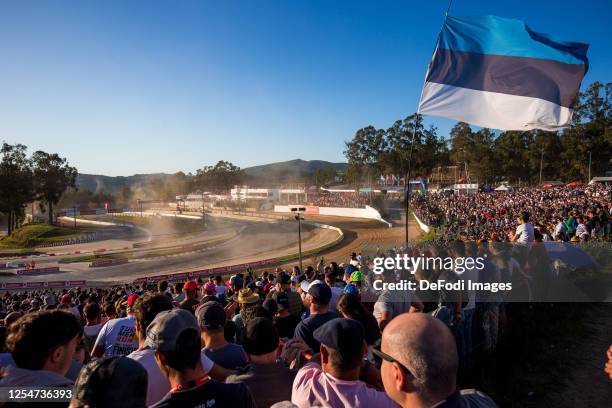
(496,72)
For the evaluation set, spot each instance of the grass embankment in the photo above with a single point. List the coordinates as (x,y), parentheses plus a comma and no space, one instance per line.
(34,234)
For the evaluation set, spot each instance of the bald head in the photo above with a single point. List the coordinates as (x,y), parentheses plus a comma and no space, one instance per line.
(427,348)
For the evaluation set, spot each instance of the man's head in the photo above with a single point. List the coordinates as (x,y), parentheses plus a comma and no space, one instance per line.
(523,217)
(211,318)
(191,289)
(318,296)
(425,362)
(44,340)
(92,312)
(146,308)
(111,382)
(342,347)
(236,283)
(175,337)
(261,340)
(283,281)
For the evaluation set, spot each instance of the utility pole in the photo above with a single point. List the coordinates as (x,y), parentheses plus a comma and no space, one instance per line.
(589,180)
(541,164)
(203,219)
(74,208)
(299,218)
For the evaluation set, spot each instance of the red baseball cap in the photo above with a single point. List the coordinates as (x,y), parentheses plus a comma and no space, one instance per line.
(131,299)
(65,299)
(190,285)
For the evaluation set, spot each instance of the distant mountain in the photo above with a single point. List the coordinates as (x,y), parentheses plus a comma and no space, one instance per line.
(281,172)
(292,170)
(108,184)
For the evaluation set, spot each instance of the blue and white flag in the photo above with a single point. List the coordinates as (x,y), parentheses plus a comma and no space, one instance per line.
(496,72)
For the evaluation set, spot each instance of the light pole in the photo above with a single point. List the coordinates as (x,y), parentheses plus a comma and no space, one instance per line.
(74,216)
(299,218)
(203,219)
(589,180)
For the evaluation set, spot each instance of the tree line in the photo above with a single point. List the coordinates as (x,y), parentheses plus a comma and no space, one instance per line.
(42,177)
(486,156)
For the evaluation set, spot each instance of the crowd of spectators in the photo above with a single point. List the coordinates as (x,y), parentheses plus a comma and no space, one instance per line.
(346,199)
(319,337)
(561,214)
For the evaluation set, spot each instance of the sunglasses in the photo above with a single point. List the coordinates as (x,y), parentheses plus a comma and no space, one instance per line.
(390,359)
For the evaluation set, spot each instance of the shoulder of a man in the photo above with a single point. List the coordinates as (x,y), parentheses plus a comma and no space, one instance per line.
(476,399)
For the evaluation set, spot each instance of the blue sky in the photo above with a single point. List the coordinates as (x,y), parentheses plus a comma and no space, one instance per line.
(124,87)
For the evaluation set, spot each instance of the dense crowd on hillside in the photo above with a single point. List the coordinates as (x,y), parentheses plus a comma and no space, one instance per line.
(348,200)
(321,337)
(561,214)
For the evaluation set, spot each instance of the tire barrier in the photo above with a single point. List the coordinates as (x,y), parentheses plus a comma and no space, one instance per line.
(72,241)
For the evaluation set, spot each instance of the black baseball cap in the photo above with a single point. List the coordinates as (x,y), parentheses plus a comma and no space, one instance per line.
(282,300)
(284,278)
(211,315)
(345,335)
(260,336)
(112,382)
(320,292)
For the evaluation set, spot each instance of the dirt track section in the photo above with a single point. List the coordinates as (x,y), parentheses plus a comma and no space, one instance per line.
(359,236)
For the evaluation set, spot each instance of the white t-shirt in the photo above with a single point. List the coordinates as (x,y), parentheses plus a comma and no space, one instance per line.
(118,337)
(525,233)
(158,385)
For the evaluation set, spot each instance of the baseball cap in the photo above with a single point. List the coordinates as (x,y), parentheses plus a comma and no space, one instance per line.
(352,289)
(284,278)
(112,382)
(282,300)
(259,284)
(270,306)
(320,291)
(236,280)
(304,286)
(210,287)
(131,299)
(357,276)
(65,299)
(211,315)
(344,335)
(166,328)
(260,336)
(190,285)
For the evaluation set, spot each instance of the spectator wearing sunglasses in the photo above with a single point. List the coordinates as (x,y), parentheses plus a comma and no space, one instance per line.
(420,362)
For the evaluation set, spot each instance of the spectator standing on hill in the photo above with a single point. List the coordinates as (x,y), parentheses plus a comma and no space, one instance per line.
(118,336)
(93,323)
(335,382)
(190,288)
(420,363)
(42,345)
(524,233)
(174,336)
(117,382)
(212,319)
(284,322)
(317,299)
(268,378)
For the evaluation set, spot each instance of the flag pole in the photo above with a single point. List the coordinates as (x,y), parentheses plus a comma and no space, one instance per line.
(408,173)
